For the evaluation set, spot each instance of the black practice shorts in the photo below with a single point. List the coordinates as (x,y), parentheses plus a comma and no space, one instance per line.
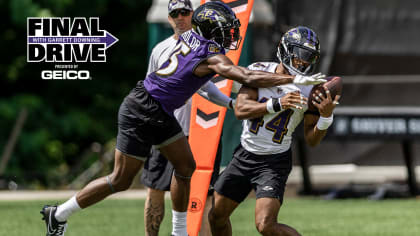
(266,174)
(142,123)
(157,171)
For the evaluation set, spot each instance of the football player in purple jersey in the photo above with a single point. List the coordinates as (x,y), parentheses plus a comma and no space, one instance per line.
(146,119)
(157,171)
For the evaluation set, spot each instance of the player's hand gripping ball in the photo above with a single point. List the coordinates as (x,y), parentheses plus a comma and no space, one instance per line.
(334,85)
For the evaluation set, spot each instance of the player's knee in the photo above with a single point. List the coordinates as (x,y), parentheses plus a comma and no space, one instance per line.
(122,186)
(191,166)
(266,227)
(186,169)
(217,217)
(212,218)
(119,183)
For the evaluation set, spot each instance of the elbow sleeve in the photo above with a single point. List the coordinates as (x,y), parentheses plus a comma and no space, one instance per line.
(210,92)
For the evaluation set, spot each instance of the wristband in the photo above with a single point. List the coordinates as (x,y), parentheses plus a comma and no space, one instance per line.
(273,105)
(324,122)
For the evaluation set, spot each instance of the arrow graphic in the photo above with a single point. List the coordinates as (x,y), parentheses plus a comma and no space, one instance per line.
(108,39)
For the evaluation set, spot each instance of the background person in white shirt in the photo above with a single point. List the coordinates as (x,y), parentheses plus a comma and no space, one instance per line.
(157,172)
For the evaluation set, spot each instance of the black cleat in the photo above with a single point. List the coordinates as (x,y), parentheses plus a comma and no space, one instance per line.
(54,228)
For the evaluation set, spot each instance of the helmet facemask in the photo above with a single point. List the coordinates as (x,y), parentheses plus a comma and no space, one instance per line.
(308,57)
(228,36)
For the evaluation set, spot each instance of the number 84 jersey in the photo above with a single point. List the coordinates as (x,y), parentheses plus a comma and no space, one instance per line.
(272,133)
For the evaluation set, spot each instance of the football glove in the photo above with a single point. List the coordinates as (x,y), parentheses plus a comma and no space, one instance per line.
(309,80)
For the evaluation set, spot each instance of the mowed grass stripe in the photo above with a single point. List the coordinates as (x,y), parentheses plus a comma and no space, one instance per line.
(310,216)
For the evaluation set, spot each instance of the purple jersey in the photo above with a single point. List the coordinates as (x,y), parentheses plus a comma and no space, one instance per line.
(174,82)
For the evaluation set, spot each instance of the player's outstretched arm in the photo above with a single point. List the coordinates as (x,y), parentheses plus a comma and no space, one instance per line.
(315,127)
(223,66)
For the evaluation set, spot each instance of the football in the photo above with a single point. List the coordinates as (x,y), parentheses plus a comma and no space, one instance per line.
(334,84)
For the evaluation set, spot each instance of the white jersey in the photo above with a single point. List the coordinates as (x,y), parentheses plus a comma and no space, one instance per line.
(272,133)
(160,55)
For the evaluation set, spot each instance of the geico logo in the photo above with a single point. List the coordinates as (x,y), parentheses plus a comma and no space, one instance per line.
(65,74)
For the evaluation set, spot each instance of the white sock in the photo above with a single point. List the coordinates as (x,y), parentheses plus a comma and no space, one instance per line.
(66,209)
(179,223)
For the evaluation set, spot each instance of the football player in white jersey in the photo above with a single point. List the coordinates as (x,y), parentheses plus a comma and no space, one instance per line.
(157,172)
(263,160)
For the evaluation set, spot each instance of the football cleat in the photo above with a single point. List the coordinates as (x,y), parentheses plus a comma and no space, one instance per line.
(54,228)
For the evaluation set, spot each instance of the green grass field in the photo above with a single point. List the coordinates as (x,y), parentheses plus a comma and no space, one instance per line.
(309,215)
